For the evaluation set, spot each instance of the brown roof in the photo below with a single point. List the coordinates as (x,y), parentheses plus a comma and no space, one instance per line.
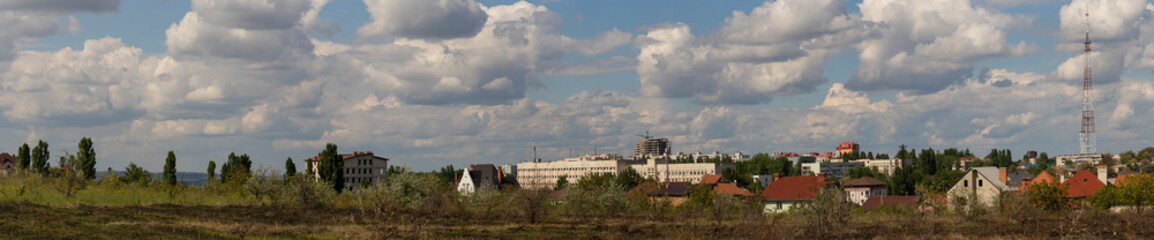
(6,158)
(875,202)
(732,190)
(863,182)
(1082,184)
(793,188)
(711,179)
(672,189)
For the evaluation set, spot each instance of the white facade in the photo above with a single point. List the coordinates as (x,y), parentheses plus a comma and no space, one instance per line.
(359,167)
(858,195)
(663,171)
(886,166)
(981,185)
(831,169)
(545,174)
(465,184)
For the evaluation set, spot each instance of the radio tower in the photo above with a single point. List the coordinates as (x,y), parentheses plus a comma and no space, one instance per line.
(1086,137)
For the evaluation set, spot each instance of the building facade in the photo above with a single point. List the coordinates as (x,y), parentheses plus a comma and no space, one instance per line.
(980,185)
(858,190)
(830,169)
(886,166)
(7,164)
(541,174)
(663,171)
(652,147)
(360,168)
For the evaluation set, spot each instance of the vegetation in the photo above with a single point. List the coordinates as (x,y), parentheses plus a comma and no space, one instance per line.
(170,169)
(86,155)
(331,167)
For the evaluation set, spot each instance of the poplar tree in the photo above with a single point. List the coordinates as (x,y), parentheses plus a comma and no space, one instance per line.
(170,169)
(87,157)
(332,167)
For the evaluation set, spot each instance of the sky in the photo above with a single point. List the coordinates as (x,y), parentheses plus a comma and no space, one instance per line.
(429,83)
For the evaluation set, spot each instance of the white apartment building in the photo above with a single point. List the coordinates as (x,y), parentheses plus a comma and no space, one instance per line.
(359,167)
(831,169)
(545,174)
(663,171)
(887,166)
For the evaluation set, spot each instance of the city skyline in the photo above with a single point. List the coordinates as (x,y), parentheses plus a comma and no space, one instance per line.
(432,83)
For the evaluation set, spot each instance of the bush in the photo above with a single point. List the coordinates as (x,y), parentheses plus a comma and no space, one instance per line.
(828,214)
(264,185)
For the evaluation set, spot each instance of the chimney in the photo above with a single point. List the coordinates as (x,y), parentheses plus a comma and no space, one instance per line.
(1061,178)
(1002,175)
(776,176)
(470,167)
(500,175)
(1102,173)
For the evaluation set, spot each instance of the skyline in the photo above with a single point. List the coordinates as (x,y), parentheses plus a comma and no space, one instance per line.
(432,83)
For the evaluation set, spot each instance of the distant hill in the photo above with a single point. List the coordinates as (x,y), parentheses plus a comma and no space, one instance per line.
(190,178)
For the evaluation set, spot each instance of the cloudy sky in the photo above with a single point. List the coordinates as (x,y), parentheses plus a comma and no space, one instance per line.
(429,83)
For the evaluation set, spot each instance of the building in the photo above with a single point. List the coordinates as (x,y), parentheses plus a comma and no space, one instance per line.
(906,202)
(663,171)
(789,192)
(7,164)
(831,169)
(674,192)
(858,190)
(848,147)
(887,166)
(981,185)
(541,174)
(763,180)
(1043,178)
(652,147)
(482,176)
(1076,159)
(1083,184)
(360,168)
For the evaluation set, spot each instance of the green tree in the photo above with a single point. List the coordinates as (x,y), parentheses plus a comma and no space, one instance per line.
(1049,196)
(332,167)
(136,174)
(309,168)
(904,181)
(628,178)
(448,173)
(170,169)
(562,183)
(87,157)
(40,157)
(211,170)
(237,169)
(24,157)
(290,168)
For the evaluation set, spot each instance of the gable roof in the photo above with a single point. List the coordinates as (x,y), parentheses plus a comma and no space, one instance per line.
(863,182)
(874,202)
(712,179)
(793,188)
(732,190)
(673,189)
(1044,177)
(1014,178)
(992,174)
(1082,184)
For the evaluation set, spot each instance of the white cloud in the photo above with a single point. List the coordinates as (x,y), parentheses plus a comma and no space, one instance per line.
(423,19)
(62,6)
(252,14)
(195,37)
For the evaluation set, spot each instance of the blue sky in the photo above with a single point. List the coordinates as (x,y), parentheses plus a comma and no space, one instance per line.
(432,83)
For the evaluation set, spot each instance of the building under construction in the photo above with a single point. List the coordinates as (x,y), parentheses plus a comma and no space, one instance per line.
(652,147)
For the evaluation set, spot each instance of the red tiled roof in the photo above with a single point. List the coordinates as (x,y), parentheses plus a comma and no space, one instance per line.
(875,202)
(793,188)
(1082,184)
(863,182)
(732,190)
(710,179)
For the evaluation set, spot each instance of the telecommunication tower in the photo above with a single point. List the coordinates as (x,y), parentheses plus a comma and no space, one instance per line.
(1087,141)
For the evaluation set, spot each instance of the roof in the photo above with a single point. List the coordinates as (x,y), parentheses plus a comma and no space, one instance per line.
(875,202)
(793,188)
(992,174)
(673,189)
(7,158)
(1082,184)
(1014,178)
(863,182)
(712,179)
(732,190)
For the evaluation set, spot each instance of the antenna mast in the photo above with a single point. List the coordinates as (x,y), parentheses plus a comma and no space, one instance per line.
(1087,141)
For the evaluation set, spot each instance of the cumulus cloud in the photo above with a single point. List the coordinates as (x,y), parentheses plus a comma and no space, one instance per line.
(423,19)
(196,37)
(1120,33)
(926,46)
(770,52)
(62,6)
(252,15)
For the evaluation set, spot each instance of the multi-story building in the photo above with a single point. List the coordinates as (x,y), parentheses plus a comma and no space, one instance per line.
(360,168)
(859,189)
(663,171)
(886,166)
(848,147)
(541,174)
(830,169)
(652,147)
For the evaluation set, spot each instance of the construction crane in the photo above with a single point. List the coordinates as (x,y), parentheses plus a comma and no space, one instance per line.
(646,136)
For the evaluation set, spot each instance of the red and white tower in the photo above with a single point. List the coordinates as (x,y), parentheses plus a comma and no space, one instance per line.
(1087,142)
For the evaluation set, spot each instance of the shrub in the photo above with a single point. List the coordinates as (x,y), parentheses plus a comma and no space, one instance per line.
(264,184)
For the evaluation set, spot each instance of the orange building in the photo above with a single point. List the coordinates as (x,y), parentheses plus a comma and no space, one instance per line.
(848,147)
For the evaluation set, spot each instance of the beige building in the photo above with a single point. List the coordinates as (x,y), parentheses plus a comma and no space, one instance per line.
(359,167)
(981,185)
(663,171)
(539,174)
(886,166)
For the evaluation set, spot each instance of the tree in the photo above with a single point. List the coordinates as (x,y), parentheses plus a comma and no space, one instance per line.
(332,167)
(40,157)
(904,181)
(170,169)
(87,158)
(136,174)
(1049,196)
(237,169)
(290,169)
(211,170)
(448,173)
(23,156)
(628,178)
(562,183)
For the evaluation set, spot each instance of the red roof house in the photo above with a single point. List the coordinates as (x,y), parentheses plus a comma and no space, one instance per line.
(875,202)
(731,190)
(804,188)
(1082,184)
(712,179)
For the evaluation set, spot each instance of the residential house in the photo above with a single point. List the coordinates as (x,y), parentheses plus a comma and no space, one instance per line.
(875,202)
(1083,184)
(360,168)
(1044,177)
(722,186)
(482,176)
(675,192)
(980,185)
(789,192)
(7,164)
(858,190)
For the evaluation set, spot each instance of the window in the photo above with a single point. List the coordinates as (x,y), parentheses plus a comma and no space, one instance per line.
(965,183)
(979,182)
(778,205)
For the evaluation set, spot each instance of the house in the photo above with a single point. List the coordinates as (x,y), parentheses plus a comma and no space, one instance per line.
(875,202)
(788,192)
(482,176)
(675,192)
(722,186)
(7,164)
(360,168)
(981,185)
(1044,177)
(712,179)
(1083,184)
(858,190)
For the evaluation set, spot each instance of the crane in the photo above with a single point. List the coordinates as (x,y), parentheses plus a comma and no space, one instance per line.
(646,136)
